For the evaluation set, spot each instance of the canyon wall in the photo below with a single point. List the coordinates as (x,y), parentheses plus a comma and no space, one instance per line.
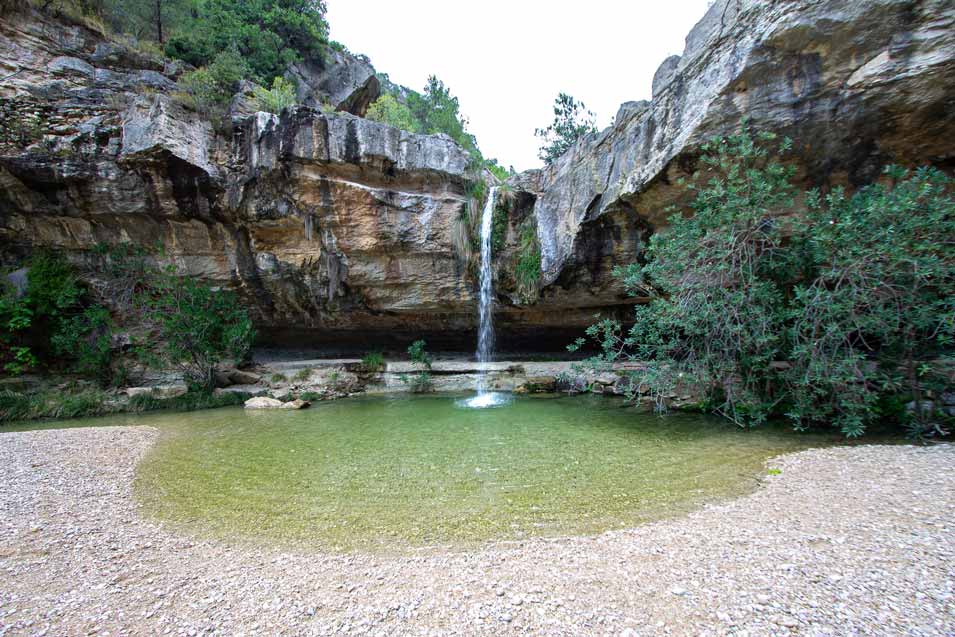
(337,230)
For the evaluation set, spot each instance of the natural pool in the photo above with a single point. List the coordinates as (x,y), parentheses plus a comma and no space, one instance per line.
(394,473)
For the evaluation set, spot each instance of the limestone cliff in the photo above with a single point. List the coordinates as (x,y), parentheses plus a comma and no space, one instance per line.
(333,227)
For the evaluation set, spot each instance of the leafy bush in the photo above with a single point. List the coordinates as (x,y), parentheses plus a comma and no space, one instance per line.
(207,90)
(87,339)
(818,316)
(197,326)
(373,361)
(388,110)
(881,303)
(303,374)
(278,98)
(527,271)
(572,120)
(267,34)
(420,381)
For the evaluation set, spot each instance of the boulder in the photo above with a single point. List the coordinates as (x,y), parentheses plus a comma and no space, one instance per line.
(158,391)
(344,81)
(538,384)
(264,402)
(239,377)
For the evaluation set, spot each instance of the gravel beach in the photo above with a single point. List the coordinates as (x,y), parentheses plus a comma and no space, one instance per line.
(842,541)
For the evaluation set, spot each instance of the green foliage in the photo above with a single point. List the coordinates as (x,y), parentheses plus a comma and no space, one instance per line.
(496,169)
(190,401)
(86,337)
(419,382)
(419,354)
(880,304)
(303,374)
(438,111)
(267,34)
(373,361)
(53,403)
(197,326)
(499,224)
(572,120)
(388,110)
(208,89)
(275,379)
(278,98)
(819,316)
(31,319)
(527,270)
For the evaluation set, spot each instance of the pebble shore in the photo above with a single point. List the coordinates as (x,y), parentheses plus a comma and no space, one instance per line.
(840,541)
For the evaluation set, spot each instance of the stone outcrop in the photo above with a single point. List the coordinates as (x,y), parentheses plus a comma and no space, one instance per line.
(856,85)
(346,82)
(337,229)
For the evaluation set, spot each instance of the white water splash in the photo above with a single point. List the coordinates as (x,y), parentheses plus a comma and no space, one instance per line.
(485,349)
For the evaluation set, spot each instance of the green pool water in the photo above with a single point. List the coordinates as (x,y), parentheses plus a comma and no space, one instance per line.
(393,473)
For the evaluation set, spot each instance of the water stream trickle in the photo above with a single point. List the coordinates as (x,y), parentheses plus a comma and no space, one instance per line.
(485,348)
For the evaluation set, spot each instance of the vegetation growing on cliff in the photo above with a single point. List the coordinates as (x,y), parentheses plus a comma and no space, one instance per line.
(56,320)
(436,110)
(835,316)
(572,120)
(420,381)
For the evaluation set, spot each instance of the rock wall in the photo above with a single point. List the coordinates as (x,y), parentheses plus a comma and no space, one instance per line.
(856,85)
(337,230)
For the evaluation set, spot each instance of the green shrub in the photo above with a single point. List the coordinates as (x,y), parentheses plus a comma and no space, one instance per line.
(420,381)
(268,34)
(87,339)
(197,327)
(388,110)
(527,270)
(303,374)
(572,120)
(278,98)
(818,316)
(33,320)
(208,89)
(418,353)
(373,361)
(275,379)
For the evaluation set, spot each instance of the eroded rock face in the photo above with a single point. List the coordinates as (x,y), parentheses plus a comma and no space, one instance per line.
(856,85)
(345,81)
(336,229)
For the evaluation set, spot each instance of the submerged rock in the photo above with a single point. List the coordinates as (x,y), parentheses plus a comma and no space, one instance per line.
(264,402)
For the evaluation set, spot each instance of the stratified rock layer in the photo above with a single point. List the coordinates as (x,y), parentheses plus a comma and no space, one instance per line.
(856,85)
(335,228)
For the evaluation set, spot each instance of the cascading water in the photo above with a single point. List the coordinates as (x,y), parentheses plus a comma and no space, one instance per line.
(485,348)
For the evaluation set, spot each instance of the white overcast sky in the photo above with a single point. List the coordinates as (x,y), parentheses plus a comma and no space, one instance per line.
(506,60)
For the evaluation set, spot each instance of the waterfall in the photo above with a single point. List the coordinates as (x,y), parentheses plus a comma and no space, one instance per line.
(485,347)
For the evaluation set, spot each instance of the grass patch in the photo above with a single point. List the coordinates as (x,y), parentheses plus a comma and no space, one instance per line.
(302,374)
(53,403)
(277,378)
(61,404)
(373,361)
(190,401)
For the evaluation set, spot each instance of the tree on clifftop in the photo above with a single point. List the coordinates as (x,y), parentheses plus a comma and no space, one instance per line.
(571,121)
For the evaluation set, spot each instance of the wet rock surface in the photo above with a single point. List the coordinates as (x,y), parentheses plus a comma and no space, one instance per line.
(841,541)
